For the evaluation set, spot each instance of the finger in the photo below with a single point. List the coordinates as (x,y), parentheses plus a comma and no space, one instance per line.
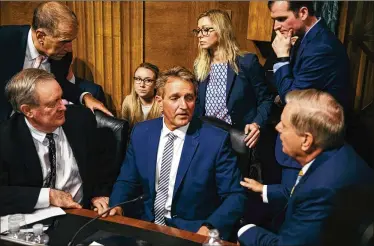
(279,34)
(74,205)
(103,109)
(289,34)
(247,129)
(242,183)
(112,212)
(253,139)
(251,135)
(253,144)
(248,180)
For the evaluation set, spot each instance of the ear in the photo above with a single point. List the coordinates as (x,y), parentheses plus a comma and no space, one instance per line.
(159,101)
(308,141)
(40,35)
(303,13)
(27,111)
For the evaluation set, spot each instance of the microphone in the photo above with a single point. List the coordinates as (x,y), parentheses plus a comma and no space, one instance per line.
(139,198)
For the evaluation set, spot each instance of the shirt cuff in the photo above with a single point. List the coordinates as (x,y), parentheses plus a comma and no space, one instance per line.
(265,194)
(72,79)
(279,65)
(43,199)
(81,97)
(245,228)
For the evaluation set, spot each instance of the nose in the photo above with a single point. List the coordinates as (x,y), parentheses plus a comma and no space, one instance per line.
(182,103)
(62,104)
(278,127)
(277,25)
(200,34)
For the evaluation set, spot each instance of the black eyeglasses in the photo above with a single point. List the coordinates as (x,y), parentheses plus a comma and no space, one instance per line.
(204,31)
(146,81)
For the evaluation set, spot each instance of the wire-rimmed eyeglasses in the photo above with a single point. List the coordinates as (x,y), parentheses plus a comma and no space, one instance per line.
(204,31)
(147,81)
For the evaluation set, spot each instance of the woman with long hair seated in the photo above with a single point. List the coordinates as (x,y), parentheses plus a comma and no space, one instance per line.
(140,105)
(232,83)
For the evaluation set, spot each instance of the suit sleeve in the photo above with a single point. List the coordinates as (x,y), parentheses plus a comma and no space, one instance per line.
(127,184)
(304,226)
(229,189)
(315,67)
(255,73)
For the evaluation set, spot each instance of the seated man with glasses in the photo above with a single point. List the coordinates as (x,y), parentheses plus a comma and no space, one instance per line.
(140,104)
(48,152)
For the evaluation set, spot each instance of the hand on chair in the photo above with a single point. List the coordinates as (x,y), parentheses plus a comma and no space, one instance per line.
(253,133)
(252,185)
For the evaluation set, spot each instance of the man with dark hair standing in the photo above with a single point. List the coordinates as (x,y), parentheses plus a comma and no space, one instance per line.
(46,45)
(317,60)
(312,132)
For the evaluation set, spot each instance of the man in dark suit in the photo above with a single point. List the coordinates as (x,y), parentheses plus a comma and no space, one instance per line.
(47,152)
(312,132)
(47,45)
(317,60)
(188,171)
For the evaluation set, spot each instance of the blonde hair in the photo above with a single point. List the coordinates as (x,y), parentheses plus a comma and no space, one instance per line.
(228,47)
(320,114)
(132,106)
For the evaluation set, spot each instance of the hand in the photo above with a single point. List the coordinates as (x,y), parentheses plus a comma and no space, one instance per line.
(293,40)
(281,44)
(203,231)
(92,103)
(62,199)
(253,133)
(100,204)
(252,185)
(278,101)
(116,211)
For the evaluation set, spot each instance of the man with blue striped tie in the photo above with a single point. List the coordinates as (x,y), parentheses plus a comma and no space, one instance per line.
(186,168)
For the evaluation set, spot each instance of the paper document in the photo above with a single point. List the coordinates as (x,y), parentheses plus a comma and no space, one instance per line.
(40,214)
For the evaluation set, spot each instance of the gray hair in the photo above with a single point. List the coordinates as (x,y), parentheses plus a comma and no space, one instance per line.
(21,88)
(318,113)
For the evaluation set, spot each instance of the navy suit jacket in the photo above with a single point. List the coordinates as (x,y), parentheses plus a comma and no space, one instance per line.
(321,63)
(207,185)
(13,40)
(248,99)
(89,86)
(313,198)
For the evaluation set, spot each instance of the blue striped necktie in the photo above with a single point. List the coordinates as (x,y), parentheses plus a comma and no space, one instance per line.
(163,183)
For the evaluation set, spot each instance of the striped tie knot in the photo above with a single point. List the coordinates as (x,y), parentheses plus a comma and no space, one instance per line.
(171,136)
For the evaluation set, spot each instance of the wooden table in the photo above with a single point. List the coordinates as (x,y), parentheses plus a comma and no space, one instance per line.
(144,225)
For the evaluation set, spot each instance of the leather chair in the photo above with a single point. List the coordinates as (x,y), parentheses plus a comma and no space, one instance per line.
(113,135)
(247,160)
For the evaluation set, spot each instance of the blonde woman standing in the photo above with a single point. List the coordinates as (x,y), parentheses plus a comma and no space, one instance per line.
(232,83)
(140,104)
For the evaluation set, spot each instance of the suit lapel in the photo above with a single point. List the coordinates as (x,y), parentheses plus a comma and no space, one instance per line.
(189,147)
(202,94)
(154,134)
(29,157)
(230,82)
(309,37)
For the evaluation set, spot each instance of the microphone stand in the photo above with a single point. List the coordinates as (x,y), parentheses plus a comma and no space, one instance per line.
(139,198)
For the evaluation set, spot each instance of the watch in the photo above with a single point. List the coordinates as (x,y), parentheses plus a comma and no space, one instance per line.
(283,59)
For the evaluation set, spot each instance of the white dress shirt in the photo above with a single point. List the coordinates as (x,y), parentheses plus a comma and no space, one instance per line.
(265,198)
(177,151)
(68,178)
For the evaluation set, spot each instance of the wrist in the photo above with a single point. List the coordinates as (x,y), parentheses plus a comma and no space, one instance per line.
(283,59)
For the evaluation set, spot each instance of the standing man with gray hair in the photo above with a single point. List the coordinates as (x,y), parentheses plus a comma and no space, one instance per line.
(47,45)
(48,152)
(312,132)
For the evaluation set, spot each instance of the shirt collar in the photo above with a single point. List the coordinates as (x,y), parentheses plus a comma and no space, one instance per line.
(179,132)
(31,52)
(306,167)
(39,135)
(318,20)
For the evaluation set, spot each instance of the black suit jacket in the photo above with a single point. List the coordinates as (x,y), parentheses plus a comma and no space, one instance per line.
(20,169)
(13,41)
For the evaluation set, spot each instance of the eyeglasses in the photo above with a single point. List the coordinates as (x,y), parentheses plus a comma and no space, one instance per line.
(204,31)
(146,81)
